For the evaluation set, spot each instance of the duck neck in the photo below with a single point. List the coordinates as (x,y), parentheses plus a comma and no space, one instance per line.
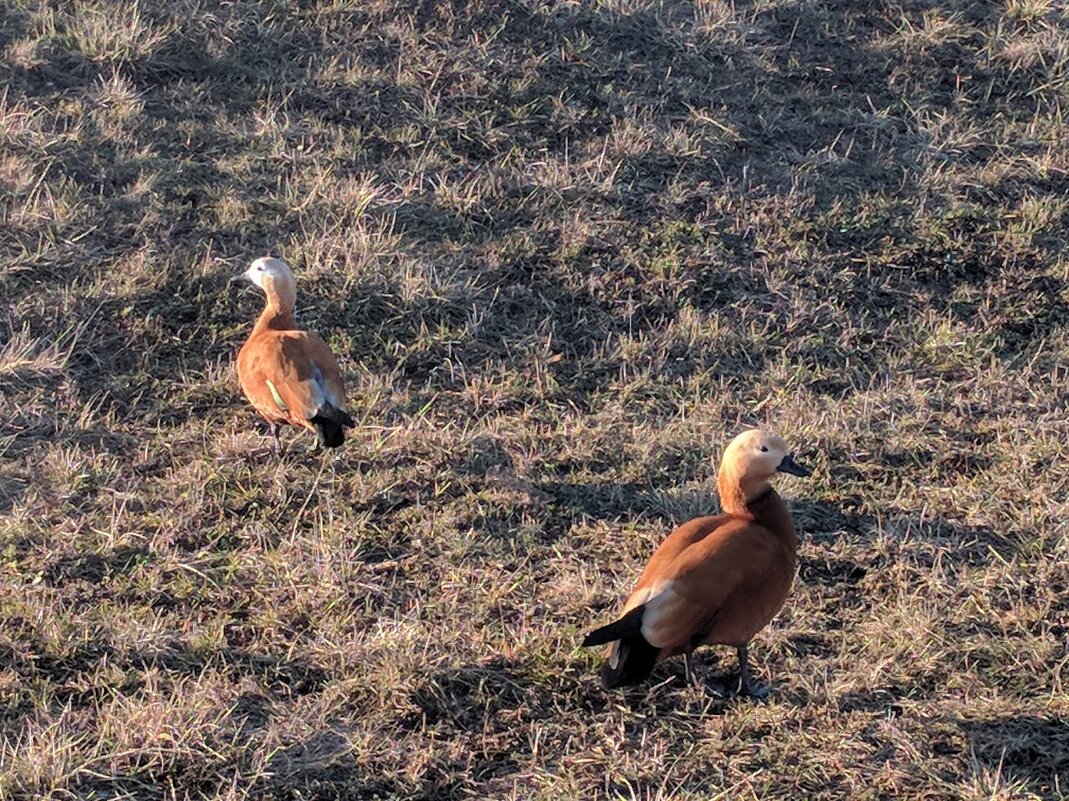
(736,493)
(769,510)
(277,314)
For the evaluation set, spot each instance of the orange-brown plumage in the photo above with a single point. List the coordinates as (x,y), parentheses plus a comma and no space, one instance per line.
(714,580)
(290,376)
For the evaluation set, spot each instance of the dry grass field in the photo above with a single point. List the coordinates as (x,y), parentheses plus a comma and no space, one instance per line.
(565,251)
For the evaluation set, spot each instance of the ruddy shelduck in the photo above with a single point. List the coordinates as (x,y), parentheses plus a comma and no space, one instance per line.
(714,580)
(290,376)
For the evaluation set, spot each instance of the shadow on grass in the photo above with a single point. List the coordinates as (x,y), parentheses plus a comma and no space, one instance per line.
(823,112)
(12,488)
(323,766)
(95,567)
(820,521)
(505,699)
(959,545)
(285,676)
(1032,750)
(499,698)
(841,584)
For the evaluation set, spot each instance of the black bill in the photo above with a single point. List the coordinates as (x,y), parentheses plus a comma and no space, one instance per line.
(788,465)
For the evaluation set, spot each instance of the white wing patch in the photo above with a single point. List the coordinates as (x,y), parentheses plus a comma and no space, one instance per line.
(662,605)
(637,599)
(662,602)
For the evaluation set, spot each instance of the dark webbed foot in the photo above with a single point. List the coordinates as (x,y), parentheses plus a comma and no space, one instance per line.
(756,691)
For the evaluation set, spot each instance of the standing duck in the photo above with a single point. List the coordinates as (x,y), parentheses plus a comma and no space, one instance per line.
(290,376)
(714,580)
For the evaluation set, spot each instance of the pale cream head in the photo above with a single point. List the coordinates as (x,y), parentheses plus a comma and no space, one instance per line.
(750,461)
(267,270)
(275,278)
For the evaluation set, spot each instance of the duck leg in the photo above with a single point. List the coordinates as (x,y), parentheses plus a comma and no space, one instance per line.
(697,639)
(274,427)
(746,683)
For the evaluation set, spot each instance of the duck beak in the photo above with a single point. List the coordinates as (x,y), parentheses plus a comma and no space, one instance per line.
(237,279)
(788,465)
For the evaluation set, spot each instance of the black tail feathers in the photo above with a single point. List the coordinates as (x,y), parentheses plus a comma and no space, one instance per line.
(634,663)
(630,625)
(330,423)
(635,657)
(330,432)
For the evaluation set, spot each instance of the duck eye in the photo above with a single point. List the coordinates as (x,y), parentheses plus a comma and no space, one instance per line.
(764,449)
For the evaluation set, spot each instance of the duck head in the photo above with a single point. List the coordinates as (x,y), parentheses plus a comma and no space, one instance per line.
(749,463)
(275,278)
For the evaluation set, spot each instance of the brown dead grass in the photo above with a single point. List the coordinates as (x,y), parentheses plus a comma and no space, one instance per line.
(565,251)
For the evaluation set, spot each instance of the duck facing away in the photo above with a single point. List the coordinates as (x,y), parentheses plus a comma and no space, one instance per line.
(714,580)
(290,376)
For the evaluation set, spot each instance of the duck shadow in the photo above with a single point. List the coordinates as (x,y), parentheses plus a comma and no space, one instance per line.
(282,676)
(503,698)
(956,545)
(457,697)
(492,697)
